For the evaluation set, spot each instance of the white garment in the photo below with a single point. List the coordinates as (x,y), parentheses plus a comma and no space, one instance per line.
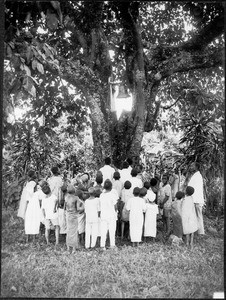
(107,172)
(137,207)
(125,175)
(48,205)
(92,206)
(55,184)
(150,223)
(108,201)
(32,214)
(108,225)
(91,234)
(62,220)
(150,196)
(126,195)
(118,186)
(196,182)
(26,195)
(136,182)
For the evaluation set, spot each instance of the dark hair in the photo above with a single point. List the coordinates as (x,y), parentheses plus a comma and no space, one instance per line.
(99,177)
(97,192)
(127,185)
(133,172)
(116,175)
(107,161)
(46,189)
(143,192)
(153,181)
(136,191)
(125,165)
(147,185)
(55,170)
(107,185)
(130,161)
(189,190)
(179,195)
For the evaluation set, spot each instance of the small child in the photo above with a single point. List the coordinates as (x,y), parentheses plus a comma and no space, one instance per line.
(49,209)
(81,216)
(108,207)
(137,206)
(117,184)
(127,193)
(99,180)
(92,207)
(189,218)
(176,214)
(72,207)
(150,223)
(150,196)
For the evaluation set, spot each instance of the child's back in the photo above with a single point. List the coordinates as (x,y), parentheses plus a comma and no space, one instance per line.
(92,206)
(189,218)
(176,214)
(150,224)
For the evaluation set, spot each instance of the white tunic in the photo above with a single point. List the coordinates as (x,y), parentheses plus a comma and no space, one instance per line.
(26,195)
(196,182)
(150,223)
(32,214)
(107,172)
(137,207)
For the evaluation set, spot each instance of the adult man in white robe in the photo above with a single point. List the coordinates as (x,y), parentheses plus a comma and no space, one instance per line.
(125,173)
(196,181)
(107,171)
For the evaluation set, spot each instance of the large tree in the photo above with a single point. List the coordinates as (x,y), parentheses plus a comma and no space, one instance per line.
(152,50)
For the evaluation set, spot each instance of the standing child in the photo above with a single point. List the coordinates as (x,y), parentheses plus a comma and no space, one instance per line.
(72,211)
(81,215)
(127,193)
(92,207)
(176,214)
(189,218)
(136,205)
(49,209)
(150,223)
(55,183)
(117,184)
(165,202)
(108,206)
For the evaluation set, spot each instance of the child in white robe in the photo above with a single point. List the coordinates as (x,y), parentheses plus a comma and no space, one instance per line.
(92,207)
(150,223)
(137,206)
(108,207)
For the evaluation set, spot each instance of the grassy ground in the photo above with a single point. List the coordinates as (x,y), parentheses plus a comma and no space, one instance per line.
(153,270)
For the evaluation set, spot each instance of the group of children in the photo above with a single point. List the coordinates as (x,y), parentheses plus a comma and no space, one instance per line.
(82,209)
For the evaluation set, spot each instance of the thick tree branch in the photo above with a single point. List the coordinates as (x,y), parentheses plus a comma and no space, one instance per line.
(206,35)
(93,47)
